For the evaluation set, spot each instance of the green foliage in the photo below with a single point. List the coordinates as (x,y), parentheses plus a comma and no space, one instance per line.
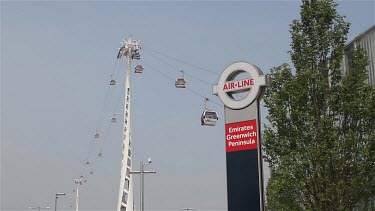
(321,141)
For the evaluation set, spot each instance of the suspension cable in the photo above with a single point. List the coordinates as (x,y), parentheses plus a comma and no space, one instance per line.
(191,90)
(177,69)
(181,61)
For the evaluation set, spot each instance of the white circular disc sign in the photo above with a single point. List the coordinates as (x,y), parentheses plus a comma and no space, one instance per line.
(227,85)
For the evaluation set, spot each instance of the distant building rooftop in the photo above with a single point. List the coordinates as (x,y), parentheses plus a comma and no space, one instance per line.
(367,41)
(369,30)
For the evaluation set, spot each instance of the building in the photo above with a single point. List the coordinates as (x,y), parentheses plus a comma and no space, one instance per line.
(367,41)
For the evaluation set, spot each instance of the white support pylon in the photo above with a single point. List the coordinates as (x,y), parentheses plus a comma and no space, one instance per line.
(126,200)
(78,183)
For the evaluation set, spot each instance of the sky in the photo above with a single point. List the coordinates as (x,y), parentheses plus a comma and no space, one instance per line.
(57,58)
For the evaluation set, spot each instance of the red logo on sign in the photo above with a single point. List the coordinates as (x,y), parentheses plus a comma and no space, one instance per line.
(242,84)
(241,136)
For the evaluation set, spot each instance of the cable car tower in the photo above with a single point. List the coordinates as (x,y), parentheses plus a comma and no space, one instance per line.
(78,183)
(129,50)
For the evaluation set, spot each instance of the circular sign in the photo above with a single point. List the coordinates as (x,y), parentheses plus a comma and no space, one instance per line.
(227,85)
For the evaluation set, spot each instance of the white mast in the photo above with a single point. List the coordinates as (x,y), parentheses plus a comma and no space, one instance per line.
(78,182)
(129,50)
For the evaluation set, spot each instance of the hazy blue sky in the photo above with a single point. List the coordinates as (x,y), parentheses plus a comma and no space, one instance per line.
(56,62)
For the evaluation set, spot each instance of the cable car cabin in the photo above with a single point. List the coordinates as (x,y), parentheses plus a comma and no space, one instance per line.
(138,69)
(180,83)
(96,135)
(91,172)
(112,82)
(100,155)
(113,120)
(209,118)
(137,56)
(87,162)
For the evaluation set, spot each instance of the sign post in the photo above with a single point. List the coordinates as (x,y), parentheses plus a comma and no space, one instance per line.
(242,135)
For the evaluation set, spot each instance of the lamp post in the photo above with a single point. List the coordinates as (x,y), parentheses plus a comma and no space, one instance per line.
(142,186)
(39,208)
(56,197)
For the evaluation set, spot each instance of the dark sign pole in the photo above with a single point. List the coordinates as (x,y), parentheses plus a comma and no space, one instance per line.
(244,163)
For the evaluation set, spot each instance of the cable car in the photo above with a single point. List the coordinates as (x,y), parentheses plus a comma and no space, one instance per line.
(209,117)
(136,55)
(91,173)
(100,155)
(113,119)
(112,82)
(138,68)
(96,135)
(180,82)
(81,177)
(87,162)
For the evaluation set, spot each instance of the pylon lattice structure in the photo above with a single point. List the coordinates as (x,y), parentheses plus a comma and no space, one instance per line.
(129,50)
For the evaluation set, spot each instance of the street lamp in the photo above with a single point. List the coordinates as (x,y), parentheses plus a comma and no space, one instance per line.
(39,208)
(142,186)
(56,197)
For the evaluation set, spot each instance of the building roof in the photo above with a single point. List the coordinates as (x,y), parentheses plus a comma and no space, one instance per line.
(361,34)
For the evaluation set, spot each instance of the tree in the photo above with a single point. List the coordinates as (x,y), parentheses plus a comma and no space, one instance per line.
(320,143)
